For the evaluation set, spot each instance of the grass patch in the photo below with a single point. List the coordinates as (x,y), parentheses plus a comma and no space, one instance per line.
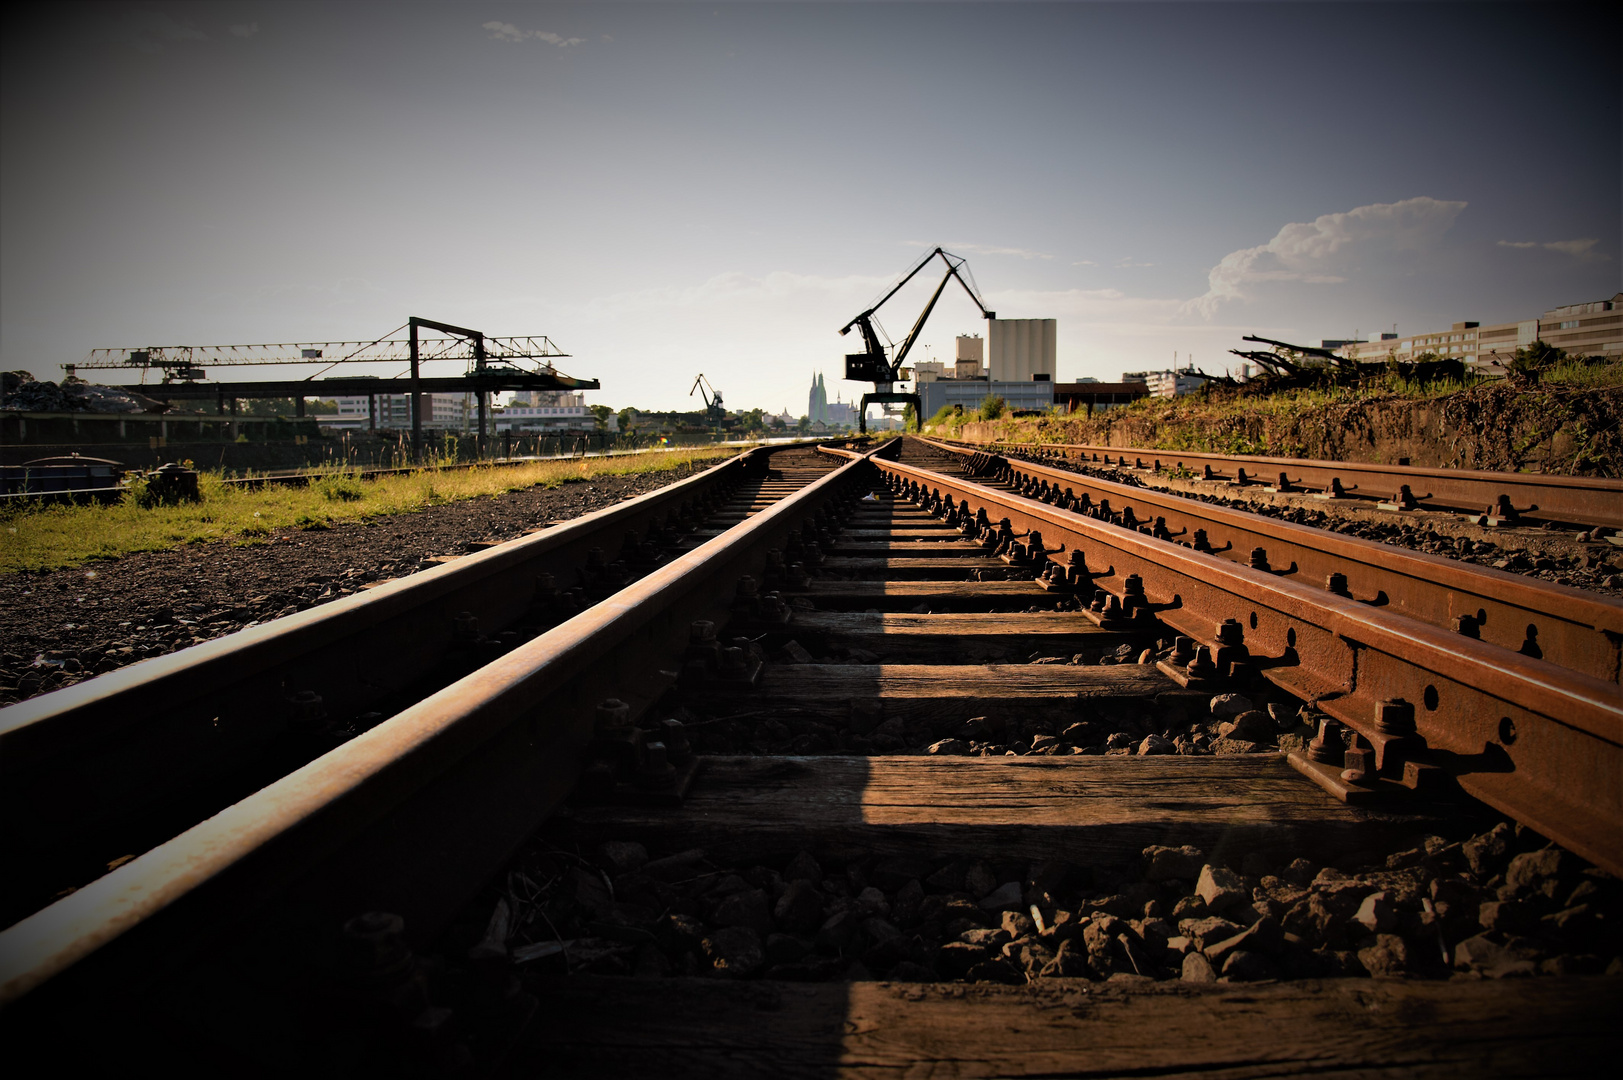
(35,537)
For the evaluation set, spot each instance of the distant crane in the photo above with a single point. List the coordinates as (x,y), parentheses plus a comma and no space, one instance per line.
(884,371)
(713,410)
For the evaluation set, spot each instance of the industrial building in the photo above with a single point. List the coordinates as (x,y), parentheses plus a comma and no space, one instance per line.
(543,410)
(1090,395)
(1022,350)
(1589,329)
(441,412)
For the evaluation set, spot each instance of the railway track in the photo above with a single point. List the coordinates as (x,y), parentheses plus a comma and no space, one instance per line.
(1494,497)
(817,726)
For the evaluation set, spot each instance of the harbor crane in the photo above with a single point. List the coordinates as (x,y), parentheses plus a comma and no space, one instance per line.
(884,371)
(713,410)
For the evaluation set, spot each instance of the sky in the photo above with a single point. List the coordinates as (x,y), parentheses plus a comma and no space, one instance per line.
(668,189)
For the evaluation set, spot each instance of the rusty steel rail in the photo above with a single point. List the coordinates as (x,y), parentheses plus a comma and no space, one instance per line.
(112,765)
(1566,626)
(1539,742)
(1578,500)
(409,817)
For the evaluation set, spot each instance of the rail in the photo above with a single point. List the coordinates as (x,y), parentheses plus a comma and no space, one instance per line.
(1580,500)
(1567,626)
(405,817)
(1540,742)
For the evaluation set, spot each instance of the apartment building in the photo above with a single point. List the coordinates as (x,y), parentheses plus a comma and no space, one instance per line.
(1590,329)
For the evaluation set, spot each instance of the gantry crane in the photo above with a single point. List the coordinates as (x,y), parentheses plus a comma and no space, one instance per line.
(713,410)
(884,371)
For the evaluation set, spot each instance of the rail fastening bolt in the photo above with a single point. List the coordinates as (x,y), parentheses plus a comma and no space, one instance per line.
(1395,716)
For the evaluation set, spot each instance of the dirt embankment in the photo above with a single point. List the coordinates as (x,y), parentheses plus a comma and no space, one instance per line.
(1496,426)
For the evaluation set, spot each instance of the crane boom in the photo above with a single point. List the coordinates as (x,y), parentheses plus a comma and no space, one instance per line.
(872,364)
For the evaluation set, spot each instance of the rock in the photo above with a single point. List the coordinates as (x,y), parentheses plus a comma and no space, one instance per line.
(1388,958)
(1264,936)
(676,867)
(1119,741)
(1173,863)
(996,970)
(1486,854)
(622,856)
(838,931)
(747,908)
(735,952)
(1375,914)
(800,909)
(1196,968)
(1070,962)
(1529,871)
(1253,726)
(795,653)
(1005,896)
(993,938)
(1507,916)
(679,933)
(979,879)
(1220,888)
(786,948)
(1482,953)
(891,729)
(1018,924)
(955,958)
(1571,924)
(1189,907)
(908,900)
(803,868)
(587,889)
(949,878)
(1029,957)
(1237,746)
(1224,706)
(1208,931)
(1285,717)
(872,900)
(1243,966)
(889,946)
(1155,744)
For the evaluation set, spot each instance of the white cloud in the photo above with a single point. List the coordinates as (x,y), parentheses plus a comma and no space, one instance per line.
(245,30)
(501,31)
(1583,250)
(1306,251)
(1578,249)
(149,31)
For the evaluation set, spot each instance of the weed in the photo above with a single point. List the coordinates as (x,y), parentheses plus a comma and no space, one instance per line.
(42,537)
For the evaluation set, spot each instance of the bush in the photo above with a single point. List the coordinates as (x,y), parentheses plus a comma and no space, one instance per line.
(991,407)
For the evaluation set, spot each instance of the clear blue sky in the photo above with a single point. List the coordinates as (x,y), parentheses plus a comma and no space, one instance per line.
(672,188)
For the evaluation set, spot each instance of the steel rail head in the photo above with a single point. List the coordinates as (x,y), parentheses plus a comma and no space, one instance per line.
(217,871)
(1571,627)
(1586,500)
(1540,742)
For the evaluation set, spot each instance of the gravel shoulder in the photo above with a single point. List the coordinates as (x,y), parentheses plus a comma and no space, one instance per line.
(62,626)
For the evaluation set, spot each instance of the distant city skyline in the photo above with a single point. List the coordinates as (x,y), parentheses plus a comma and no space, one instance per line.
(665,189)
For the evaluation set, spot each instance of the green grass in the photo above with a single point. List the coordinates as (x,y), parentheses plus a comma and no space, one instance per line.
(37,537)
